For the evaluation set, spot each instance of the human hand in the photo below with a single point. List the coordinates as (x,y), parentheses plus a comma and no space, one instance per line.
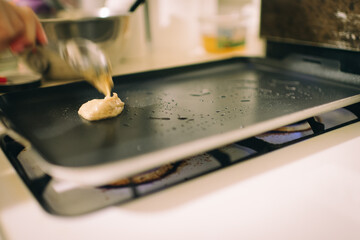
(19,28)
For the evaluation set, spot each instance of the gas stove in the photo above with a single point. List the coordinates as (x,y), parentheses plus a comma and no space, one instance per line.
(67,198)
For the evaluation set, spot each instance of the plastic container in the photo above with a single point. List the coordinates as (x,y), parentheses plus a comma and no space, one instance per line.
(223,33)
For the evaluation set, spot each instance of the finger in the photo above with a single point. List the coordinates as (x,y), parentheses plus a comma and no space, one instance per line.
(40,33)
(27,37)
(29,19)
(11,24)
(18,45)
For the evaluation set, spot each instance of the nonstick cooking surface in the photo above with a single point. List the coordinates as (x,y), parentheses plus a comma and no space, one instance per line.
(163,109)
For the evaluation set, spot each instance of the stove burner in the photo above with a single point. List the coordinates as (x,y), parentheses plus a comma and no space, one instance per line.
(145,177)
(295,127)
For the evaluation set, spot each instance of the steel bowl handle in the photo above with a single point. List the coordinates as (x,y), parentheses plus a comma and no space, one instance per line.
(135,5)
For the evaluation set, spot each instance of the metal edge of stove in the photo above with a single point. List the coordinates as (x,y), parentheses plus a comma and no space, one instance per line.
(333,64)
(67,199)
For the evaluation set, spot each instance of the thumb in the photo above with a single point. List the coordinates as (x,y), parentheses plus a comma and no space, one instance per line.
(40,33)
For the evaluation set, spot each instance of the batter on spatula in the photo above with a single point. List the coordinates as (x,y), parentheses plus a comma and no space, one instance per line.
(98,109)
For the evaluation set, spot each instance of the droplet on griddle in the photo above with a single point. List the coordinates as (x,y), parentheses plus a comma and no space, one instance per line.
(182,117)
(159,118)
(291,88)
(201,93)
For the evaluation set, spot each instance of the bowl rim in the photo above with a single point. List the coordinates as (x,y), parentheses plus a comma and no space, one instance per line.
(74,16)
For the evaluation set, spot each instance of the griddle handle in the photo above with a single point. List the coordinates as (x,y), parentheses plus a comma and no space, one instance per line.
(315,62)
(5,131)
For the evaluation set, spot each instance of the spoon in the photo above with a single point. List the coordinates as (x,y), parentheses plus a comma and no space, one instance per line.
(89,60)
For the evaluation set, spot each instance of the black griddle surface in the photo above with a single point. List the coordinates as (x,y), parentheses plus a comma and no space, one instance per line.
(163,109)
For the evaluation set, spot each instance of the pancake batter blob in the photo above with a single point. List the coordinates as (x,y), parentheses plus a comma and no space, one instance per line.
(98,109)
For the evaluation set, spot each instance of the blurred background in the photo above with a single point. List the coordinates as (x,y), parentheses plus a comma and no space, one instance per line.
(159,33)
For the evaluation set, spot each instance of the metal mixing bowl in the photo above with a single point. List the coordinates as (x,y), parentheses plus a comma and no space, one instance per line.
(107,32)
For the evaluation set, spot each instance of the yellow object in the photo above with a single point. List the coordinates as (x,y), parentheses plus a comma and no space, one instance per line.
(222,45)
(223,33)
